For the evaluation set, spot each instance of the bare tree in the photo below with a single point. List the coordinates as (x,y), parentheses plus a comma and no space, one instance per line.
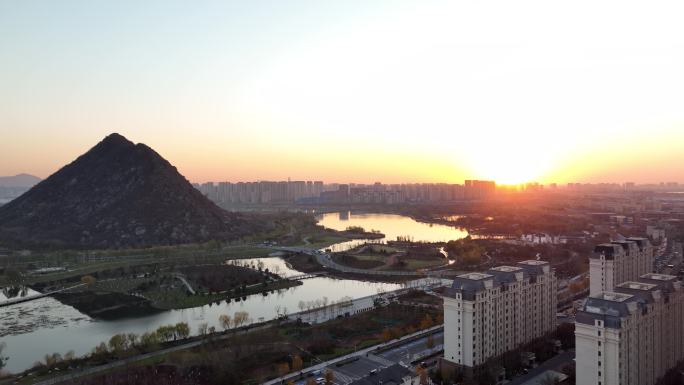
(224,320)
(3,359)
(240,318)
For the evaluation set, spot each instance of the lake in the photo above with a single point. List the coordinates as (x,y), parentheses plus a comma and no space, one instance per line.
(392,225)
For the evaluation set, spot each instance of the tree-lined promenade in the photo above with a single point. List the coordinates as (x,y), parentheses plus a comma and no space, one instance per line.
(311,343)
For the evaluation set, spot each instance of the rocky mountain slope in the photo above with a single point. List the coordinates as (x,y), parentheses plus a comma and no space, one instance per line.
(118,194)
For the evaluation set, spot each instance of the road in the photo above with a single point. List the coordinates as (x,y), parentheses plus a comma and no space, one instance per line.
(552,364)
(362,352)
(325,260)
(185,282)
(411,351)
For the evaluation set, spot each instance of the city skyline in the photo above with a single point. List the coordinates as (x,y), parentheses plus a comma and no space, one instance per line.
(351,192)
(353,91)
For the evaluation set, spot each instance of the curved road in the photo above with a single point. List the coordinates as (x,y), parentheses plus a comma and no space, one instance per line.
(325,260)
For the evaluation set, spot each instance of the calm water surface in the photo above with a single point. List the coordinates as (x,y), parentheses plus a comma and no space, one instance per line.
(391,225)
(33,329)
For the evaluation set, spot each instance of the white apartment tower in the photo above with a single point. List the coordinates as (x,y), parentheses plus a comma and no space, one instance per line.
(487,314)
(617,262)
(632,335)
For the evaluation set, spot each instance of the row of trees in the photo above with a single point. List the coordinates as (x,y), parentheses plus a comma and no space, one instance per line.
(322,303)
(465,251)
(3,359)
(389,334)
(54,360)
(287,367)
(120,345)
(313,304)
(239,319)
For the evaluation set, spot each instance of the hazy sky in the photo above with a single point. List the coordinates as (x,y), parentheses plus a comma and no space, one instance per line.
(350,90)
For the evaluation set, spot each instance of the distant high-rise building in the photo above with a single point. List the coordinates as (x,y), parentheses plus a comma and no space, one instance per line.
(479,189)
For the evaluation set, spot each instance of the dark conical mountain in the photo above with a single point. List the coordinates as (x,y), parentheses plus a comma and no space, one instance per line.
(118,194)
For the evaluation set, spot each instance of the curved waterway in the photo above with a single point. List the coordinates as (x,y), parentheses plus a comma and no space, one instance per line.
(33,329)
(392,225)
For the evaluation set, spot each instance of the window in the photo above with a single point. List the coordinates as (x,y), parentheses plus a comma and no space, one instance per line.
(599,343)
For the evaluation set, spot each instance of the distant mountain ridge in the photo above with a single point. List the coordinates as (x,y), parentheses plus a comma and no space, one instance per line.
(20,180)
(118,194)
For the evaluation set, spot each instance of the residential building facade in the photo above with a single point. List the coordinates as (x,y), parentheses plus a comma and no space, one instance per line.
(617,262)
(487,314)
(632,335)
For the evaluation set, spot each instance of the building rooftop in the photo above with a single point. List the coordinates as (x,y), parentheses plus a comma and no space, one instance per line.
(628,296)
(507,269)
(469,284)
(534,267)
(475,276)
(608,307)
(626,244)
(609,250)
(533,262)
(637,285)
(612,296)
(659,277)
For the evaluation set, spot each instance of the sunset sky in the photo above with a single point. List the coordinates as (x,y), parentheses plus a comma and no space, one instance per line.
(353,91)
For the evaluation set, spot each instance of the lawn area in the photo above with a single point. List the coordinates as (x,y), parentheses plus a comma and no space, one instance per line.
(324,240)
(379,248)
(371,257)
(359,262)
(168,256)
(178,298)
(417,264)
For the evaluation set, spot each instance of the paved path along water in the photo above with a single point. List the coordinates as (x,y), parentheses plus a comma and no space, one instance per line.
(317,316)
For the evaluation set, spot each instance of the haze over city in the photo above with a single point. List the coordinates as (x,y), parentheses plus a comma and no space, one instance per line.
(396,91)
(350,192)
